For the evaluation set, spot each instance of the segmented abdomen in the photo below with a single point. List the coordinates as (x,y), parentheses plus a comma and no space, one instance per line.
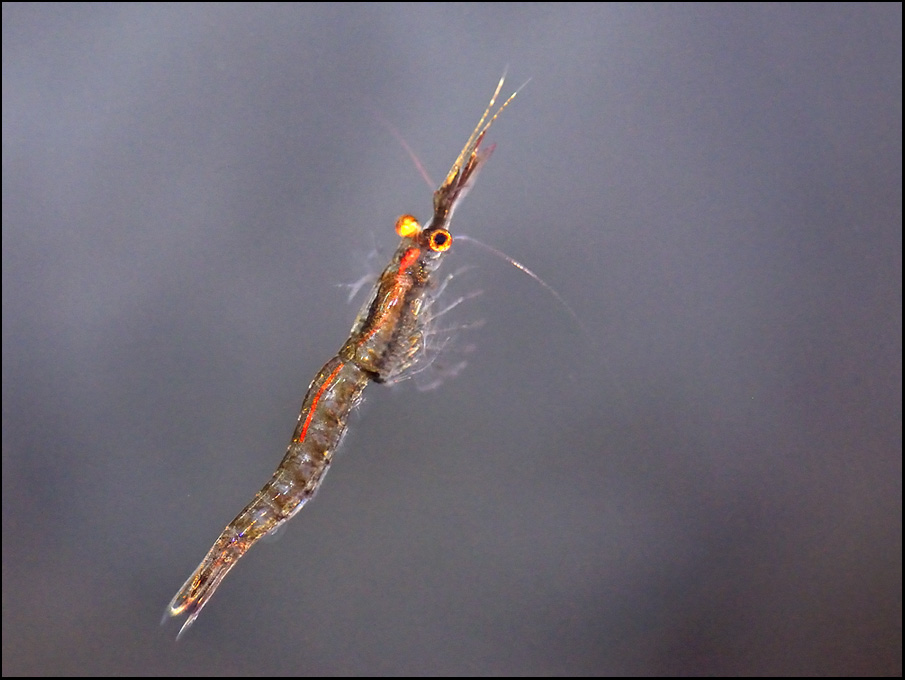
(333,393)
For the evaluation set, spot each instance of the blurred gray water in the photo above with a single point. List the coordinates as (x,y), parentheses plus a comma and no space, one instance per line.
(708,481)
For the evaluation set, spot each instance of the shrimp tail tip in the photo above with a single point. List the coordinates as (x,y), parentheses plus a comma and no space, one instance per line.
(185,626)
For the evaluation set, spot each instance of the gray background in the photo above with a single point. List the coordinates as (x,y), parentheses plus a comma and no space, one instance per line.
(707,481)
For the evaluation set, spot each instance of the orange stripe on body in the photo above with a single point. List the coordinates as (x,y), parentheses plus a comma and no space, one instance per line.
(410,257)
(401,284)
(317,397)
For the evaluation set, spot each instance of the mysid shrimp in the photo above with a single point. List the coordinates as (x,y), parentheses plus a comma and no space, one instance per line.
(386,341)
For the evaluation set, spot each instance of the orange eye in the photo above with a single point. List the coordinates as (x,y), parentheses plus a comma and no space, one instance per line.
(407,226)
(440,240)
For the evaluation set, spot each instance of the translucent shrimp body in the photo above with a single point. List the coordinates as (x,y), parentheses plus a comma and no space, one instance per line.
(385,342)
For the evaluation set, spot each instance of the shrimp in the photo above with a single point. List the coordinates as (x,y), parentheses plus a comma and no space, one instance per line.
(386,341)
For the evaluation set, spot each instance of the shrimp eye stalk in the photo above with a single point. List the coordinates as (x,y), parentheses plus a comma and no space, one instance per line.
(407,226)
(440,241)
